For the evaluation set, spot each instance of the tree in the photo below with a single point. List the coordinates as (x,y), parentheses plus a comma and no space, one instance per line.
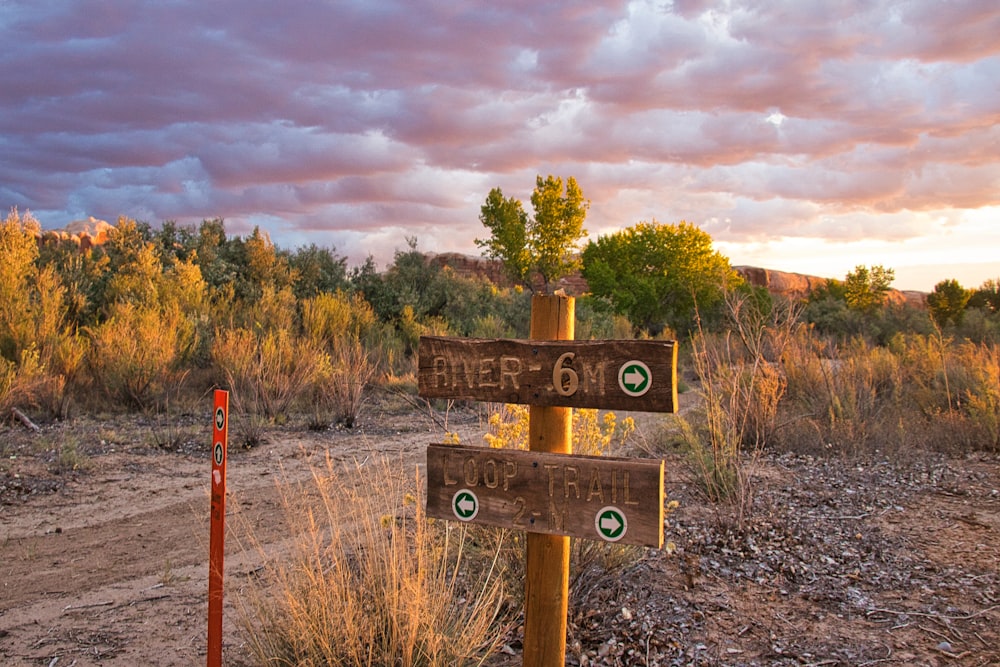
(987,296)
(558,227)
(657,274)
(947,302)
(265,264)
(318,271)
(867,289)
(508,242)
(548,243)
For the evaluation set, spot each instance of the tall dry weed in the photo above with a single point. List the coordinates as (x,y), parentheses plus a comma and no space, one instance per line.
(369,580)
(266,374)
(981,391)
(741,383)
(21,381)
(342,383)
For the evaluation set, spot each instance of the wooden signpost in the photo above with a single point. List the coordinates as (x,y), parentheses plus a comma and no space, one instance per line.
(547,491)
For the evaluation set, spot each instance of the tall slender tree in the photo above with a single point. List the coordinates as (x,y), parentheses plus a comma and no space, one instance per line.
(547,244)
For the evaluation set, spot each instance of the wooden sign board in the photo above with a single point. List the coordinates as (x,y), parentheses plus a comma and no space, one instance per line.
(636,375)
(593,497)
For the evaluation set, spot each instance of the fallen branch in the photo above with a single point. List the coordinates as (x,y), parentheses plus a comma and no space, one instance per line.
(23,418)
(72,607)
(944,617)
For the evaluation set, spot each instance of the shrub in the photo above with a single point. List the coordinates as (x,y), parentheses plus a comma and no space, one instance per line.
(133,356)
(266,373)
(327,318)
(341,384)
(371,581)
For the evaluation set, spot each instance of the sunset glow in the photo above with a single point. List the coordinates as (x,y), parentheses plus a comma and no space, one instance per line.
(803,136)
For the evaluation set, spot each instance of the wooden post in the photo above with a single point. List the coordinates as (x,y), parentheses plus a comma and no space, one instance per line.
(550,429)
(217,528)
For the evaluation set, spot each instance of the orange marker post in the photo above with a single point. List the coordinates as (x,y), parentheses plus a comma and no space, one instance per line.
(216,544)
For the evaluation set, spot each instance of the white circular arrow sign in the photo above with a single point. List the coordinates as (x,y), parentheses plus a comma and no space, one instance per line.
(465,505)
(611,523)
(635,378)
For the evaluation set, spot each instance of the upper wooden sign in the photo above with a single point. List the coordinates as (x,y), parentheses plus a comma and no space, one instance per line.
(611,374)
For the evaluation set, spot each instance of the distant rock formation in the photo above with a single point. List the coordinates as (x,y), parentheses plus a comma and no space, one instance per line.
(85,233)
(794,286)
(798,287)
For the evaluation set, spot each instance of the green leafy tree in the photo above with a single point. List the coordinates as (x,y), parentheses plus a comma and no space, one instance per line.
(215,254)
(558,227)
(947,302)
(175,242)
(367,280)
(317,271)
(657,274)
(548,243)
(508,242)
(867,289)
(987,296)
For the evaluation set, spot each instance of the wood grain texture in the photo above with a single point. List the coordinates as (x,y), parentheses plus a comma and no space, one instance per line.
(541,492)
(576,374)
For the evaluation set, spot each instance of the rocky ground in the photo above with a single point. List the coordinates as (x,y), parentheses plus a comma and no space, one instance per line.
(104,532)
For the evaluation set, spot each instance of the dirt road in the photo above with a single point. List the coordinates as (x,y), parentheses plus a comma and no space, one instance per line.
(841,564)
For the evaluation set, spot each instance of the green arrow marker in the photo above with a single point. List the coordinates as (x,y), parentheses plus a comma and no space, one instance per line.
(465,505)
(635,378)
(611,524)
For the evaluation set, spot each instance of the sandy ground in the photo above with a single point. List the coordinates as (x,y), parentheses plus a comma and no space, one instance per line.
(842,563)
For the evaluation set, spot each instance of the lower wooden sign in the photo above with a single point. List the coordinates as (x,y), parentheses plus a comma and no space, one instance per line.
(593,497)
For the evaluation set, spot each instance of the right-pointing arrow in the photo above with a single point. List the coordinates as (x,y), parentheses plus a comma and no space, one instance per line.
(634,378)
(610,524)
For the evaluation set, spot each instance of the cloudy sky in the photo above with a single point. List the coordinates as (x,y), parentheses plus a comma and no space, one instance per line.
(803,135)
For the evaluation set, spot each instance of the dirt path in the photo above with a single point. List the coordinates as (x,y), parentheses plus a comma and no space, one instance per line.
(109,564)
(841,564)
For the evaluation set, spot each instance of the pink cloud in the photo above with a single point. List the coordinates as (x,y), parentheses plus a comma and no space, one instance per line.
(761,117)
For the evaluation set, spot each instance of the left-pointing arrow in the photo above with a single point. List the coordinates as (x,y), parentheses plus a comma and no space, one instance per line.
(465,505)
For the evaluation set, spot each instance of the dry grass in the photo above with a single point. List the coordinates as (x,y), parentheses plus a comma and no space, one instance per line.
(342,384)
(741,386)
(918,394)
(267,374)
(370,580)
